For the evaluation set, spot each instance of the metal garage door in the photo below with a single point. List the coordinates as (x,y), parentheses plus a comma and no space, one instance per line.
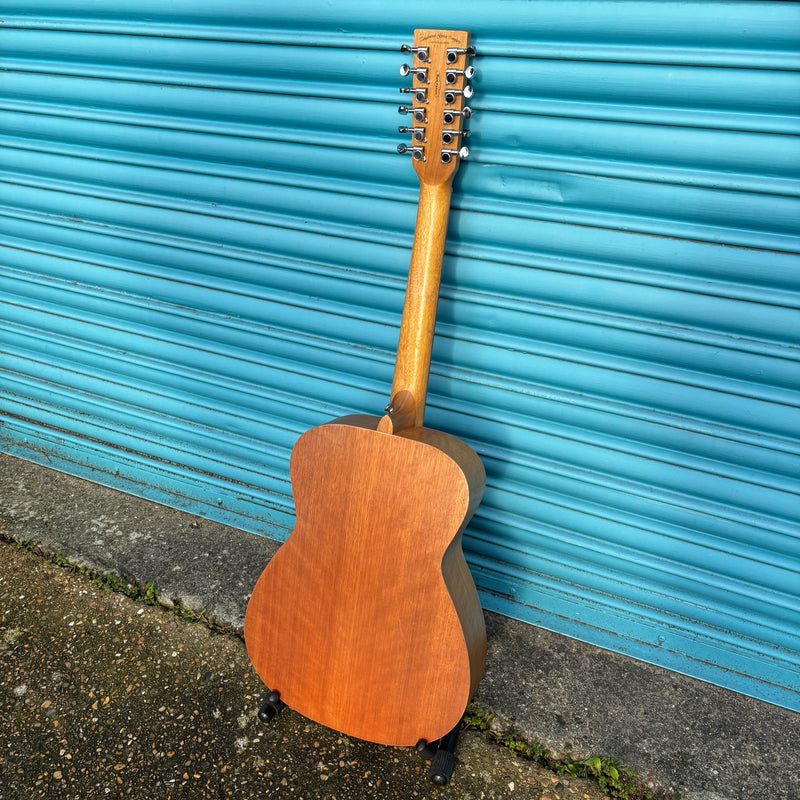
(205,235)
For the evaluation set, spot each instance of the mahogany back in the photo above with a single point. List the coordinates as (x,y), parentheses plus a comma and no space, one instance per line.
(367,619)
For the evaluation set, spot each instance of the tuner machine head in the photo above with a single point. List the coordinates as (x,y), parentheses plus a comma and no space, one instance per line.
(439,72)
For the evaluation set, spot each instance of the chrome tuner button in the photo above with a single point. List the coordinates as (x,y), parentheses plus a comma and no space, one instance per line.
(417,152)
(420,73)
(451,75)
(420,94)
(420,52)
(448,137)
(417,133)
(450,115)
(449,155)
(417,113)
(451,94)
(454,52)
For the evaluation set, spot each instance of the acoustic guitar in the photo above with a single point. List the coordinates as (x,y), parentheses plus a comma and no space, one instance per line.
(367,619)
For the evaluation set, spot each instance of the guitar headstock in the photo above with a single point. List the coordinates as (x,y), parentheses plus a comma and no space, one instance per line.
(440,72)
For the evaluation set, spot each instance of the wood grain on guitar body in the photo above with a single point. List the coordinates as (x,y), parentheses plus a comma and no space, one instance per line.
(367,619)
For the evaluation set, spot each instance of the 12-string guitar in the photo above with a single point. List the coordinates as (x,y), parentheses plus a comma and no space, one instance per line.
(367,619)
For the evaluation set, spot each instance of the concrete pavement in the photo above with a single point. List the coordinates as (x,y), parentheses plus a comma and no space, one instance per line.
(681,734)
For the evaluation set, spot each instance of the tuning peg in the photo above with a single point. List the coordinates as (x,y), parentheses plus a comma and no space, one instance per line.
(448,137)
(454,52)
(451,75)
(417,133)
(451,94)
(418,113)
(420,72)
(417,152)
(420,93)
(420,52)
(449,155)
(450,114)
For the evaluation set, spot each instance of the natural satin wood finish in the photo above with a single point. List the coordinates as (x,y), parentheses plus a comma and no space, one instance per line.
(422,297)
(367,619)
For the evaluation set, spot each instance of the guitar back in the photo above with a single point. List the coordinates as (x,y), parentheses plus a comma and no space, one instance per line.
(367,619)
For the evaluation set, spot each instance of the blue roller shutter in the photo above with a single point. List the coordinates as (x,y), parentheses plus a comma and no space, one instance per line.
(206,232)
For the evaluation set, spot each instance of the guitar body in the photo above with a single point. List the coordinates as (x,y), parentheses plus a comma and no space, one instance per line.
(367,620)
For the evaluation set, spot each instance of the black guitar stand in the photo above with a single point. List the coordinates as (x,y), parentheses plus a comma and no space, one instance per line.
(440,753)
(442,756)
(271,707)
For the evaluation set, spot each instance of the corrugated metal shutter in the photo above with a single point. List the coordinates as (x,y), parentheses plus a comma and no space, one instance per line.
(206,234)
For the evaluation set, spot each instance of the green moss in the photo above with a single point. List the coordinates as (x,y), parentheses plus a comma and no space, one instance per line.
(147,593)
(612,778)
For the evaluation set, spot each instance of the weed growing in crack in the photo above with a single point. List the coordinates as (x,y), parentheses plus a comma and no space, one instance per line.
(612,778)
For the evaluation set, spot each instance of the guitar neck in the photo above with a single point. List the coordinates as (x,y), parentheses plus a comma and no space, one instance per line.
(410,385)
(439,74)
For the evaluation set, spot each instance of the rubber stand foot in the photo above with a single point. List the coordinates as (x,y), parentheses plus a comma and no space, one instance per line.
(271,707)
(427,749)
(442,767)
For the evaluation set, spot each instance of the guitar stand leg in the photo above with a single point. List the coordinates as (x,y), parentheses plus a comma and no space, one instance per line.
(271,707)
(441,755)
(427,749)
(444,762)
